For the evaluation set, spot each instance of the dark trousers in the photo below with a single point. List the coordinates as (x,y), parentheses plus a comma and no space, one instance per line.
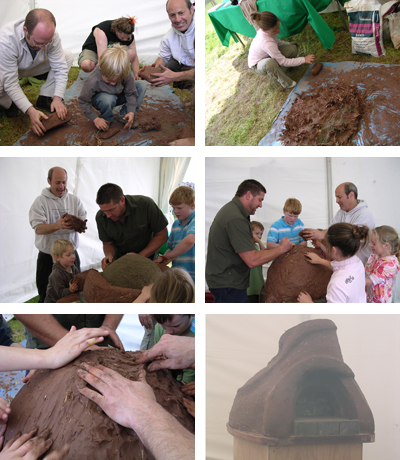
(44,267)
(229,295)
(176,67)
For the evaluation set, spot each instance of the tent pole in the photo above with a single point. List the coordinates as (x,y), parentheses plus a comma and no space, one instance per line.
(328,162)
(33,4)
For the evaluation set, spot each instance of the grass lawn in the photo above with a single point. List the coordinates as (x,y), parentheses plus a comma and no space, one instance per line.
(18,330)
(240,105)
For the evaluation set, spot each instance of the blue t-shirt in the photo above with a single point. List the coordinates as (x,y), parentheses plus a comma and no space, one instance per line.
(185,261)
(280,229)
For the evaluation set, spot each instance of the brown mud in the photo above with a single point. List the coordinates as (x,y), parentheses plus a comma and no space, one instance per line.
(52,400)
(145,74)
(53,121)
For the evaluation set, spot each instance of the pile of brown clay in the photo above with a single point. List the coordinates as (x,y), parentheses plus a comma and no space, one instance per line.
(110,132)
(53,121)
(151,124)
(78,224)
(51,400)
(316,68)
(132,271)
(329,115)
(290,274)
(145,73)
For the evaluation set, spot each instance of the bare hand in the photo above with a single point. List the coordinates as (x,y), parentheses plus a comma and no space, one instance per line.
(129,117)
(112,338)
(165,78)
(188,141)
(64,223)
(144,296)
(171,352)
(313,234)
(189,388)
(3,426)
(4,410)
(304,297)
(30,374)
(146,321)
(106,262)
(286,244)
(73,344)
(312,258)
(58,105)
(120,398)
(190,406)
(310,58)
(73,286)
(36,124)
(101,124)
(162,260)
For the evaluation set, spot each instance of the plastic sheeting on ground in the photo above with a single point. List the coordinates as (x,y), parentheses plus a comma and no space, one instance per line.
(384,101)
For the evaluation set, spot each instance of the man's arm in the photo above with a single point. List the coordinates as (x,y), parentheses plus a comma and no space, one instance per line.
(45,327)
(158,240)
(168,76)
(109,252)
(47,229)
(257,258)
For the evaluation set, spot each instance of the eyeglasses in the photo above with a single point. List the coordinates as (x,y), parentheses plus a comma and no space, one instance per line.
(35,43)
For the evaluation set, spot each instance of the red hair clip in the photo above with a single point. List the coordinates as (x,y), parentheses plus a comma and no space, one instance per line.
(132,19)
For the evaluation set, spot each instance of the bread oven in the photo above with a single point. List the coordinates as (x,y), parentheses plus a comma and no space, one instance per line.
(305,404)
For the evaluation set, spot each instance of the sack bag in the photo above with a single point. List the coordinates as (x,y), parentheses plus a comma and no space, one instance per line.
(394,25)
(365,25)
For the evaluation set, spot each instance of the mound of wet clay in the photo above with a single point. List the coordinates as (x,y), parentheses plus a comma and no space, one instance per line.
(110,132)
(329,115)
(132,271)
(53,121)
(291,273)
(150,124)
(145,74)
(51,400)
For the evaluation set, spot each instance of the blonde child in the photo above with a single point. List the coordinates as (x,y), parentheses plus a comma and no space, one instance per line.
(256,275)
(288,225)
(181,241)
(347,284)
(61,278)
(110,84)
(382,265)
(173,286)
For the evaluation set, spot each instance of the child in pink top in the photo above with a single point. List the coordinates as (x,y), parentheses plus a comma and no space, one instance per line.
(267,54)
(383,264)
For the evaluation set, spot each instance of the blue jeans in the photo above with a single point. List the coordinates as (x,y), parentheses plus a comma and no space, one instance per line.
(229,295)
(105,102)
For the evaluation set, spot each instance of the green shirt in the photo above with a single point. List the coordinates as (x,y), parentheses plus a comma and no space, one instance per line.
(230,234)
(143,218)
(256,278)
(188,374)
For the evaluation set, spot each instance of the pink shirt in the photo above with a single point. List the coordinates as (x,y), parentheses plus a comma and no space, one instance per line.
(264,46)
(347,284)
(382,272)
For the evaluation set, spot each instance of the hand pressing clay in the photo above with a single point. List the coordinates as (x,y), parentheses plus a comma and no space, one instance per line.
(51,400)
(53,121)
(316,68)
(78,224)
(290,274)
(112,131)
(145,74)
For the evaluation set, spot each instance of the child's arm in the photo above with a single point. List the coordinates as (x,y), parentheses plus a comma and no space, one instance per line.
(258,241)
(144,296)
(271,245)
(182,247)
(85,103)
(315,259)
(64,351)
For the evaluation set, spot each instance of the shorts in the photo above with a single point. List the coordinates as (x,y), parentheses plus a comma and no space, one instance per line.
(87,54)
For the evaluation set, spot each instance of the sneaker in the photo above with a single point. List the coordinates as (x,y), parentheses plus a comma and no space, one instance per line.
(44,102)
(12,111)
(292,85)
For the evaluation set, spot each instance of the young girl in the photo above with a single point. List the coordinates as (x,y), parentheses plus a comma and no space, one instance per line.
(347,284)
(173,286)
(383,264)
(268,54)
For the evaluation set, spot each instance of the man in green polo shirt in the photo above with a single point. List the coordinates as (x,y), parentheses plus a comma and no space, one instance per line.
(128,223)
(231,251)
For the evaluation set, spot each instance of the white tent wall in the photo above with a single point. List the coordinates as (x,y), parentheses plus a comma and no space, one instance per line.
(238,346)
(306,179)
(76,18)
(136,176)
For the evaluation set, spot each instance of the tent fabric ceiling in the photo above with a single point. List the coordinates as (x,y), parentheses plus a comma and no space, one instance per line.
(136,176)
(75,20)
(307,180)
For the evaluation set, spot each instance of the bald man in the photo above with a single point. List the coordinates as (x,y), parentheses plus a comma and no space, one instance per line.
(31,47)
(352,211)
(45,217)
(176,56)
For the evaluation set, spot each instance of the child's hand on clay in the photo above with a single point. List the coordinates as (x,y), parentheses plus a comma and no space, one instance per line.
(144,296)
(129,117)
(73,286)
(4,410)
(312,258)
(304,297)
(101,124)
